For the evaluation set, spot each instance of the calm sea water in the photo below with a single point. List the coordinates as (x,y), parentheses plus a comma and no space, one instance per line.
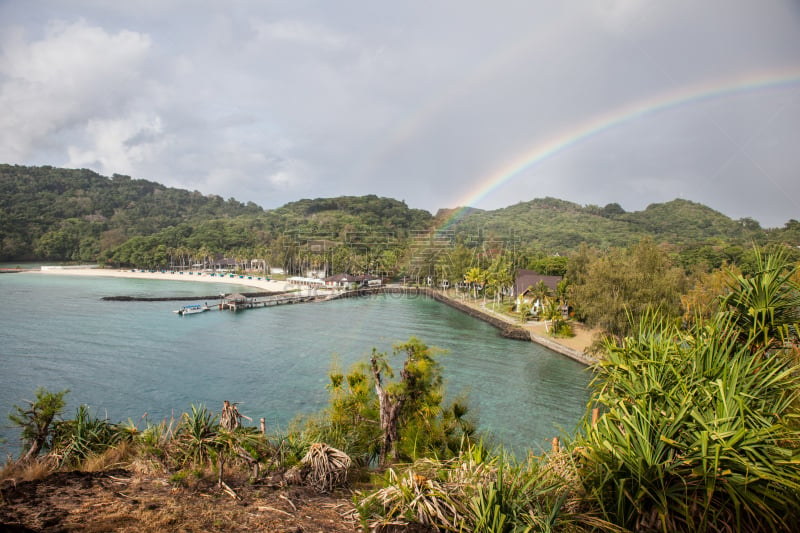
(125,359)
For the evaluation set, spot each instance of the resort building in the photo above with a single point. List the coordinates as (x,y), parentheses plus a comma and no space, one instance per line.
(525,283)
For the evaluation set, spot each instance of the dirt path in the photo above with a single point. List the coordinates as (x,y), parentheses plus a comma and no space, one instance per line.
(583,339)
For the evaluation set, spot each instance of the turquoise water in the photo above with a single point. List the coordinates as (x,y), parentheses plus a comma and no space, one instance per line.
(131,358)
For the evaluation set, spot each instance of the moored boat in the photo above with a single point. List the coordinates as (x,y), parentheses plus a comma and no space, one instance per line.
(192,309)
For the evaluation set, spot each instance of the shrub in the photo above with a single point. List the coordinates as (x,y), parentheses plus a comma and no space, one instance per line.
(476,491)
(698,432)
(370,416)
(36,420)
(75,440)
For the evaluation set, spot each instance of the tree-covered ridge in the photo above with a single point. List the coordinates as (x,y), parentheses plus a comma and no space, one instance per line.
(558,225)
(369,210)
(682,221)
(49,213)
(79,215)
(551,224)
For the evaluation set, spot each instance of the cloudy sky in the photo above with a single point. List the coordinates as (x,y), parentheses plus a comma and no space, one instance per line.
(439,104)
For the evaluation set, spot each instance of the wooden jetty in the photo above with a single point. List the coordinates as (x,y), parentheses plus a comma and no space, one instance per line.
(240,302)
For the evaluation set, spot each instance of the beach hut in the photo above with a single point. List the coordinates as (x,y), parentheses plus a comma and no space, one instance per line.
(235,301)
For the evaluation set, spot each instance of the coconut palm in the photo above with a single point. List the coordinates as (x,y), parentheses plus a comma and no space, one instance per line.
(542,292)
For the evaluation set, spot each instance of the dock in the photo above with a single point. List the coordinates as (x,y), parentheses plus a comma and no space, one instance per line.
(240,302)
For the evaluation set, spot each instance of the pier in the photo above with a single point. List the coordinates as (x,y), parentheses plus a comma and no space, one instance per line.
(240,302)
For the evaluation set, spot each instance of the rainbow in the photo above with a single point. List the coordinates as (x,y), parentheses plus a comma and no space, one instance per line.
(599,124)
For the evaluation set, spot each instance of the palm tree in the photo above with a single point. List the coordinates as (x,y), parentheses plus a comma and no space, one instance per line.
(562,290)
(540,293)
(552,312)
(473,276)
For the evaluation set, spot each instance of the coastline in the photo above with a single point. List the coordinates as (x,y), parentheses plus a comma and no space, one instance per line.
(575,348)
(511,329)
(529,332)
(247,281)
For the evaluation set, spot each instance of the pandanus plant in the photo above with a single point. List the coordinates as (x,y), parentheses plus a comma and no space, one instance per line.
(699,428)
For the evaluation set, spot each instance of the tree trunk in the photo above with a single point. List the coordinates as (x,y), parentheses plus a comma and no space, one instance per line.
(33,451)
(390,406)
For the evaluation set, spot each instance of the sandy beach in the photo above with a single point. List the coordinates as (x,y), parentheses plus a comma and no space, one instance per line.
(249,281)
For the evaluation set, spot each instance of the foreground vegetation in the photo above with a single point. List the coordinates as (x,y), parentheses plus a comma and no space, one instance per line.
(689,428)
(693,419)
(692,425)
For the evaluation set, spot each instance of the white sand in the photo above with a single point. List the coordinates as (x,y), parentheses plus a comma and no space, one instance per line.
(262,284)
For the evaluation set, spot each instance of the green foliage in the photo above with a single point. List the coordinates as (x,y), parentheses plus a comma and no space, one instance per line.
(698,432)
(503,504)
(475,491)
(699,429)
(524,311)
(196,437)
(766,305)
(559,226)
(154,439)
(64,214)
(563,329)
(288,447)
(75,440)
(427,425)
(548,265)
(365,212)
(619,283)
(78,215)
(35,421)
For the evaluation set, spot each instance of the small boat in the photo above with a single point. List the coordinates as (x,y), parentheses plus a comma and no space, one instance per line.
(192,309)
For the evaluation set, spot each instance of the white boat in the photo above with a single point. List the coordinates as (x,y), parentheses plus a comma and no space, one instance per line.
(192,309)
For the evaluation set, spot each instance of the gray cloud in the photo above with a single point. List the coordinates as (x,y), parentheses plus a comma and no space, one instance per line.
(418,101)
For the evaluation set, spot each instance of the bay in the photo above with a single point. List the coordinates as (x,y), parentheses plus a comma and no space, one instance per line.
(125,359)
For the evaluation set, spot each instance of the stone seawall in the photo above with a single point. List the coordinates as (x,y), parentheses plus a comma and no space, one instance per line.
(507,329)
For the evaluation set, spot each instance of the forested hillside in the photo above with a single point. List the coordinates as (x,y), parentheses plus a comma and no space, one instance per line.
(50,213)
(560,225)
(78,215)
(54,213)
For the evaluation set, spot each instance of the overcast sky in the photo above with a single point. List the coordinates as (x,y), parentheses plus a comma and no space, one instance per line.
(434,103)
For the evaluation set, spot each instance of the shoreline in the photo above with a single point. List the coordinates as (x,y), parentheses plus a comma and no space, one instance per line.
(273,286)
(507,327)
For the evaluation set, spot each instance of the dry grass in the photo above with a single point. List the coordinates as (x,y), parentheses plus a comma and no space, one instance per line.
(120,500)
(30,471)
(117,457)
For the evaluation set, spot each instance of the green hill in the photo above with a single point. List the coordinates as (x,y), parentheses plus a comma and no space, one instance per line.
(561,226)
(57,213)
(49,213)
(79,215)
